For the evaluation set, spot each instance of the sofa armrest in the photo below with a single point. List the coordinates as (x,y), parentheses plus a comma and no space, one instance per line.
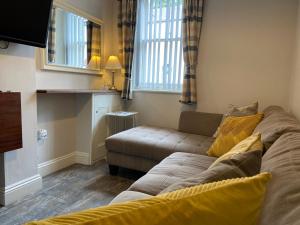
(199,123)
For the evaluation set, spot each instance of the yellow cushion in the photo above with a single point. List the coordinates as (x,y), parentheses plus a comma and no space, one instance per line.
(250,143)
(232,131)
(228,202)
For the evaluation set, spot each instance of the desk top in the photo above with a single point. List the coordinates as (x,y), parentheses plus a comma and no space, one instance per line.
(77,91)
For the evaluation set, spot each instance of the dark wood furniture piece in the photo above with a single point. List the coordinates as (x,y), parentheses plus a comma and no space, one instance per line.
(10,121)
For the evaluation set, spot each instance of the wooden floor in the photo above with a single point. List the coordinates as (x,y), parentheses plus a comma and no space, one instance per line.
(72,189)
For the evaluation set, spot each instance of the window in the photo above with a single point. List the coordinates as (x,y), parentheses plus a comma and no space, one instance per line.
(76,44)
(158,57)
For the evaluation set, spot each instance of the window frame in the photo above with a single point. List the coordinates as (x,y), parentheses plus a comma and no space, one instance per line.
(173,40)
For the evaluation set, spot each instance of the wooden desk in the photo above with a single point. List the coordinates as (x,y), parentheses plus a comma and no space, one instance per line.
(10,121)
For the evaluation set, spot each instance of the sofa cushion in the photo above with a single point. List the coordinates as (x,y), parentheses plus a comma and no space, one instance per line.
(200,123)
(247,110)
(126,196)
(236,201)
(272,109)
(282,203)
(250,143)
(232,131)
(241,165)
(172,169)
(157,143)
(276,123)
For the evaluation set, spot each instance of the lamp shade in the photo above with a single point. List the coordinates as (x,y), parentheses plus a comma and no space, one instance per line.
(113,63)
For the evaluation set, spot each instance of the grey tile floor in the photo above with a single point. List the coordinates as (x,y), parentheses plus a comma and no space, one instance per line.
(75,188)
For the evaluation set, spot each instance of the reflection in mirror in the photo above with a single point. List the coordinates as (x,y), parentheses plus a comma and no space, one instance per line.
(73,41)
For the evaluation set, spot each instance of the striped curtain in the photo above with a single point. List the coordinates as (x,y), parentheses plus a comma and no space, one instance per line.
(126,28)
(51,37)
(191,28)
(93,40)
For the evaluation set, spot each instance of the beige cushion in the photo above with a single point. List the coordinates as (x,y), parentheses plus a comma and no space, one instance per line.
(200,123)
(126,196)
(251,143)
(277,123)
(282,203)
(241,165)
(172,169)
(272,109)
(247,110)
(157,143)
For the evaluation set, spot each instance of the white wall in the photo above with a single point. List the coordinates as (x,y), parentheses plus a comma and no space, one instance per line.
(246,53)
(295,81)
(56,114)
(157,109)
(17,73)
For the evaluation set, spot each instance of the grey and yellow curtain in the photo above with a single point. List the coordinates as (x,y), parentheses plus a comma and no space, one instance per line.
(51,37)
(93,40)
(191,28)
(126,28)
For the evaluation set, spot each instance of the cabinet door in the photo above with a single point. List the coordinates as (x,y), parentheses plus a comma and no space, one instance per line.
(102,104)
(112,102)
(99,133)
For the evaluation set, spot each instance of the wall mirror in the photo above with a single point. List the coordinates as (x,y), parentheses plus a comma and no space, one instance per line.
(74,41)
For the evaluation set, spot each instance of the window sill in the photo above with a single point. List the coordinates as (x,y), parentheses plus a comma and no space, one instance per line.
(157,91)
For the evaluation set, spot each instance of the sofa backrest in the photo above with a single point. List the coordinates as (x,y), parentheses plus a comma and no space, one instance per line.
(199,123)
(276,122)
(282,201)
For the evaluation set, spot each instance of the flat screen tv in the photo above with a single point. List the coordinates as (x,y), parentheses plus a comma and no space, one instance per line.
(25,21)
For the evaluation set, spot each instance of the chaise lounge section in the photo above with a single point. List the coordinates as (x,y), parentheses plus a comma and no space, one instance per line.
(143,147)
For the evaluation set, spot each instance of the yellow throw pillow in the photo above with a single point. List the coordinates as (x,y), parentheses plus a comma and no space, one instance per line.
(239,111)
(250,143)
(232,131)
(228,202)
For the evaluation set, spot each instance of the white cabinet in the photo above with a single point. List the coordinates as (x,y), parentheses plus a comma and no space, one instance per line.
(92,128)
(102,104)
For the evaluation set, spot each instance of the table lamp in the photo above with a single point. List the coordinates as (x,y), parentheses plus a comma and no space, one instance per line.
(113,64)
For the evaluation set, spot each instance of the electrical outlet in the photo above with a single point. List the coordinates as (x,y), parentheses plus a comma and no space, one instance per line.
(42,134)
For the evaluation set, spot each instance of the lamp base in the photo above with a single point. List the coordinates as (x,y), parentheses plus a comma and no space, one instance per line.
(113,88)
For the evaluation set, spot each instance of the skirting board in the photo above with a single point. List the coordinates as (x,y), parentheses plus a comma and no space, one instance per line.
(59,163)
(100,153)
(82,158)
(20,189)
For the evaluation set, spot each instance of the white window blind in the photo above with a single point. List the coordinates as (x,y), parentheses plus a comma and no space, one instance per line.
(158,57)
(76,40)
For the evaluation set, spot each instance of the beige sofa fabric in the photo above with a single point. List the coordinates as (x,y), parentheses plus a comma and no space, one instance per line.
(172,169)
(156,143)
(130,162)
(276,123)
(282,203)
(199,123)
(240,165)
(126,196)
(272,109)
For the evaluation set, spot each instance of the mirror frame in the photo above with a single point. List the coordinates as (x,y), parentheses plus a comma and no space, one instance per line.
(62,68)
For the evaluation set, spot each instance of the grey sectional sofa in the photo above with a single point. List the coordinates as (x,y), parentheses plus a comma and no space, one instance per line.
(280,134)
